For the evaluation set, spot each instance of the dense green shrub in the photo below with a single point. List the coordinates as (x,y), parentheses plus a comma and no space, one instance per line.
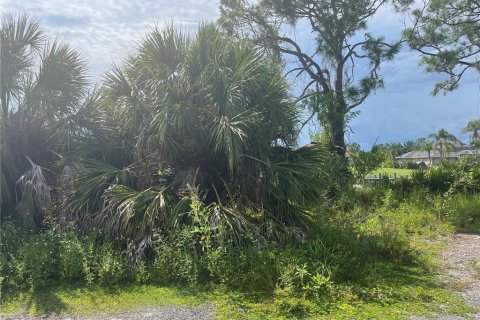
(463,211)
(411,165)
(72,256)
(110,264)
(174,259)
(14,269)
(468,180)
(41,257)
(252,268)
(345,245)
(30,260)
(436,178)
(463,176)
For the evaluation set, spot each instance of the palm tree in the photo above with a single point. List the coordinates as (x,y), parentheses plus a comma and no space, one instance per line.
(34,101)
(205,116)
(443,141)
(429,146)
(20,39)
(473,127)
(424,144)
(394,149)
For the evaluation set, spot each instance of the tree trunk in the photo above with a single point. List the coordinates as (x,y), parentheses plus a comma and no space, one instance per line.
(338,136)
(333,123)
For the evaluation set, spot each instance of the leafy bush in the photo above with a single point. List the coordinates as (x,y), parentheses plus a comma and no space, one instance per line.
(28,259)
(13,267)
(41,256)
(31,260)
(174,259)
(72,256)
(436,178)
(411,165)
(110,265)
(463,211)
(463,176)
(468,180)
(367,161)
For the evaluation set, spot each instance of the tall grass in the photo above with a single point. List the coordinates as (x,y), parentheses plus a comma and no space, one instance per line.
(463,211)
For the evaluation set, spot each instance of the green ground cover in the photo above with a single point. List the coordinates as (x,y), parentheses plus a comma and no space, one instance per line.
(391,172)
(395,295)
(376,262)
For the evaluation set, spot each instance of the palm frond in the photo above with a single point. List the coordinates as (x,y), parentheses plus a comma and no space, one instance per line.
(33,194)
(20,40)
(162,52)
(230,136)
(4,187)
(86,122)
(61,80)
(83,197)
(132,213)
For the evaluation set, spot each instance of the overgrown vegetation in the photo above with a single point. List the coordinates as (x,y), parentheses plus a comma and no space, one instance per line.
(202,117)
(181,170)
(365,251)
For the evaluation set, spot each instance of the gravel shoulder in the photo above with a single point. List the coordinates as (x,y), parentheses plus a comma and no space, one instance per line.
(203,312)
(461,271)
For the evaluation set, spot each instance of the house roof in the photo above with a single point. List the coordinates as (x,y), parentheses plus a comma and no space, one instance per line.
(460,151)
(424,155)
(467,152)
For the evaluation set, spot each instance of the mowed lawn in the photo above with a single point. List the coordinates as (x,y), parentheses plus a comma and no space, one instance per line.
(391,172)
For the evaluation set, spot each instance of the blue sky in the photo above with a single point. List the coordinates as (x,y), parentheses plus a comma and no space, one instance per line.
(105,31)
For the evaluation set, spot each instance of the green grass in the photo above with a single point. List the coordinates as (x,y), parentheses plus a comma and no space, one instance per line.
(395,293)
(391,172)
(396,275)
(89,300)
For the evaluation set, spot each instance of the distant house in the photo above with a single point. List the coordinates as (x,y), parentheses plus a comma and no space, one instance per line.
(434,156)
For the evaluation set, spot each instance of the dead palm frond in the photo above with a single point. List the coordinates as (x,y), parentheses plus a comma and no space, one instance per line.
(33,194)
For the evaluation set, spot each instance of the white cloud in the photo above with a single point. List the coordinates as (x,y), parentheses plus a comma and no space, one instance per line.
(105,31)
